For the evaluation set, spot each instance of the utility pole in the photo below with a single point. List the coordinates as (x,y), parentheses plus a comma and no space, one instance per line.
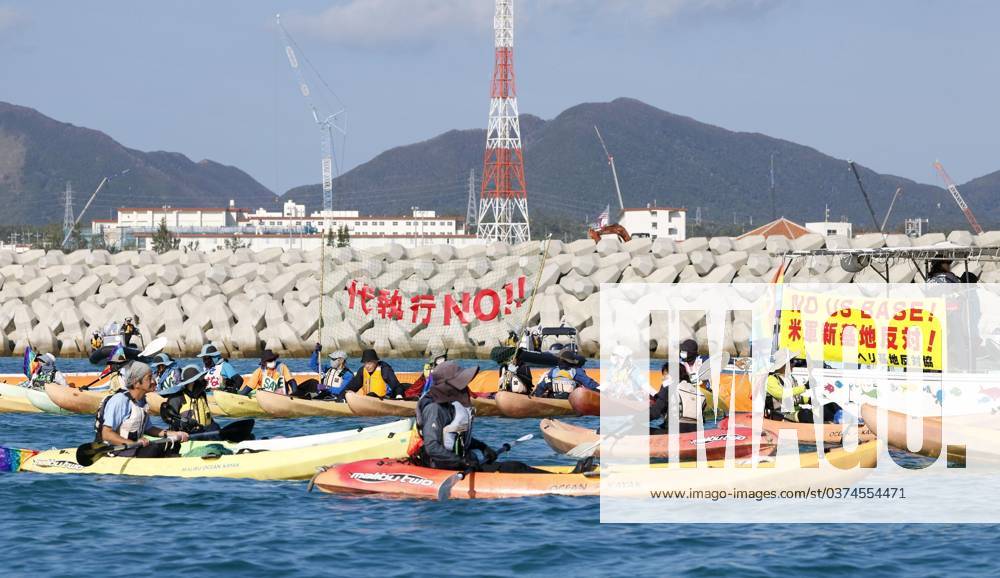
(774,210)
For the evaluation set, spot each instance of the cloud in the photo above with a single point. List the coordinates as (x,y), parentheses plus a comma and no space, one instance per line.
(666,9)
(371,23)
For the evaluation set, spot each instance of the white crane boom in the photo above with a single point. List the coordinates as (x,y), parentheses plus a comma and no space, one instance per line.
(614,171)
(326,123)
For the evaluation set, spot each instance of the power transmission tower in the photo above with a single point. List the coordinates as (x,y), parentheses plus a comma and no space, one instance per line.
(69,221)
(470,212)
(503,203)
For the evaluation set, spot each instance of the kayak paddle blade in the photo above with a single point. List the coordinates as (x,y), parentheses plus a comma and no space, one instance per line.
(584,450)
(444,491)
(12,458)
(238,431)
(87,454)
(155,346)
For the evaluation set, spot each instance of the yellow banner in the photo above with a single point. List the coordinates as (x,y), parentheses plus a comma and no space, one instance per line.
(884,331)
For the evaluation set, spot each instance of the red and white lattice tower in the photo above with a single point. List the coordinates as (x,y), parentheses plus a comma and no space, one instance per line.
(503,199)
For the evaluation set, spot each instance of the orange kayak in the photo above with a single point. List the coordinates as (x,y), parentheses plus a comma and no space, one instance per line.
(519,405)
(979,434)
(832,433)
(76,400)
(585,401)
(563,437)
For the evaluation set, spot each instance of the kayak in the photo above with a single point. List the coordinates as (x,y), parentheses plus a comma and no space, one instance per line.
(283,406)
(563,437)
(485,407)
(291,463)
(235,405)
(75,400)
(369,406)
(585,401)
(832,433)
(42,401)
(14,399)
(393,477)
(978,434)
(516,405)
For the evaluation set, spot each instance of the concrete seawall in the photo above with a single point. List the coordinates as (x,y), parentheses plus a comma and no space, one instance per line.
(245,301)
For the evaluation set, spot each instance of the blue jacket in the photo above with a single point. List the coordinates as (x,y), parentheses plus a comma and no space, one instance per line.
(579,376)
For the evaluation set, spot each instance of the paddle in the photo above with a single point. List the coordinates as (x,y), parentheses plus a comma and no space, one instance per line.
(155,346)
(444,492)
(587,449)
(235,432)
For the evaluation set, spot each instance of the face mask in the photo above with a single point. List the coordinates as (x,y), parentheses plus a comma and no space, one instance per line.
(208,361)
(440,360)
(687,356)
(272,364)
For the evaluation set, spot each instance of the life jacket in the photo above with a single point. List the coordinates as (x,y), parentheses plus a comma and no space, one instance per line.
(458,432)
(373,382)
(192,412)
(132,427)
(45,374)
(273,380)
(690,400)
(333,380)
(510,381)
(773,407)
(96,342)
(167,379)
(562,380)
(213,377)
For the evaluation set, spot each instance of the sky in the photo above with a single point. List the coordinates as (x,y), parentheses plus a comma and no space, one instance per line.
(892,84)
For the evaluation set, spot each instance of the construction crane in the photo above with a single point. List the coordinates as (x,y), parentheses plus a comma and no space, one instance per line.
(327,123)
(899,192)
(614,171)
(864,193)
(958,197)
(69,229)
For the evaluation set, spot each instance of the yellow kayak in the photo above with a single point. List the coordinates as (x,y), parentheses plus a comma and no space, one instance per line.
(284,406)
(286,462)
(233,405)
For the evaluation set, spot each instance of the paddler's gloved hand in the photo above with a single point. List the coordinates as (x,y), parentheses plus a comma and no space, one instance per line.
(489,456)
(318,347)
(470,462)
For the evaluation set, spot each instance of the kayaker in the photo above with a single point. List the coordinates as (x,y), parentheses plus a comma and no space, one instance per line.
(96,341)
(333,382)
(128,331)
(940,272)
(690,359)
(687,401)
(515,376)
(444,422)
(375,378)
(568,374)
(272,376)
(781,387)
(123,418)
(186,407)
(422,385)
(165,371)
(220,373)
(115,369)
(46,372)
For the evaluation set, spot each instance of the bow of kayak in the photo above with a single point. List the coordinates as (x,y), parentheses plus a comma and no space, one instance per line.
(369,406)
(277,405)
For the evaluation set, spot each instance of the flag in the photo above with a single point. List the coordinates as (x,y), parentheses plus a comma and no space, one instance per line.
(602,219)
(29,360)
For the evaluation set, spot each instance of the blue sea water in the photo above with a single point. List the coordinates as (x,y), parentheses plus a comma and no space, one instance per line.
(118,526)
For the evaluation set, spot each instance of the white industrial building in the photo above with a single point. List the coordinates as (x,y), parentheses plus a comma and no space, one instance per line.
(655,222)
(210,229)
(830,228)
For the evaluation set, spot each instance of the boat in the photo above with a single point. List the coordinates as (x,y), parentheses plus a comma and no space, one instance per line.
(14,399)
(235,405)
(563,437)
(519,405)
(396,477)
(75,400)
(585,401)
(485,407)
(370,406)
(41,400)
(267,462)
(284,406)
(978,434)
(831,433)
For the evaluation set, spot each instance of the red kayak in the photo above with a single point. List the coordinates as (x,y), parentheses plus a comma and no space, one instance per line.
(585,401)
(401,478)
(563,437)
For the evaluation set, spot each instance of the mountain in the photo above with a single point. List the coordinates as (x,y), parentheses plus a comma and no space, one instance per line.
(661,157)
(38,155)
